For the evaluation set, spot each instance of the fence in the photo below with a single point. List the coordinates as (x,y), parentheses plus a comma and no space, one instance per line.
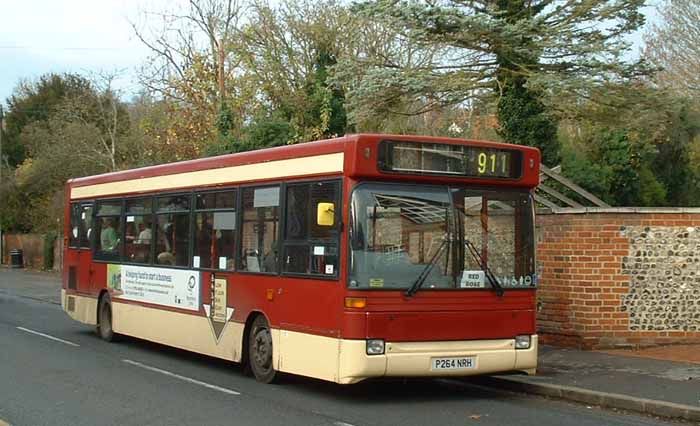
(34,250)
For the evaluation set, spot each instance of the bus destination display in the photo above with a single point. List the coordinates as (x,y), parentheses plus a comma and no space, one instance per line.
(449,160)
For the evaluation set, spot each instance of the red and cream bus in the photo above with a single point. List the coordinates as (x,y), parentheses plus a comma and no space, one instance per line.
(344,259)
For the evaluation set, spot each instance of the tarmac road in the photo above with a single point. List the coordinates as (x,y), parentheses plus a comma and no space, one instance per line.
(68,376)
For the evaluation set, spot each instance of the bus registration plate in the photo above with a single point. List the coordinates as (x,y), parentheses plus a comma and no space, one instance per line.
(456,363)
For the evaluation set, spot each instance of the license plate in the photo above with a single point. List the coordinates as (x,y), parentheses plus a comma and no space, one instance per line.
(454,363)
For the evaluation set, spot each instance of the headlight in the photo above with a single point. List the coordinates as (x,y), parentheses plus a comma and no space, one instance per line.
(375,347)
(522,341)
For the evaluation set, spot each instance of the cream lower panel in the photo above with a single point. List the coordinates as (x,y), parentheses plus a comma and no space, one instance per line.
(355,365)
(414,358)
(526,359)
(185,331)
(307,354)
(84,308)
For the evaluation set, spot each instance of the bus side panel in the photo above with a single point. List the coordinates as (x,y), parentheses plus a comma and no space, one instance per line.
(295,304)
(192,332)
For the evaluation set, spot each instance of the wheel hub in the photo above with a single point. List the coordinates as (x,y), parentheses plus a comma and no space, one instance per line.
(263,348)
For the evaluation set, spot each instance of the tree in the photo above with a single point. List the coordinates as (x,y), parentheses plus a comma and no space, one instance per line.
(642,155)
(525,52)
(194,69)
(674,45)
(289,50)
(82,132)
(36,101)
(199,35)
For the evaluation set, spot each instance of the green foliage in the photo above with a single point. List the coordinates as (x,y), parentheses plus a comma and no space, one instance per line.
(267,132)
(13,215)
(290,48)
(673,163)
(586,172)
(33,102)
(49,240)
(67,128)
(224,122)
(327,106)
(263,132)
(642,155)
(524,54)
(524,120)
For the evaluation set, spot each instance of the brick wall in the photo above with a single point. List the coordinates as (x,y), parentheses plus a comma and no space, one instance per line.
(625,277)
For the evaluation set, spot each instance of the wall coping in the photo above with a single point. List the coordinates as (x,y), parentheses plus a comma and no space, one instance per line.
(617,210)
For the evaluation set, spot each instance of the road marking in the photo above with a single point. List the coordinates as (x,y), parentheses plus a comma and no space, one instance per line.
(177,376)
(334,423)
(48,337)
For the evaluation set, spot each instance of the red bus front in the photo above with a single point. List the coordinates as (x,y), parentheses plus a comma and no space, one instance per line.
(441,268)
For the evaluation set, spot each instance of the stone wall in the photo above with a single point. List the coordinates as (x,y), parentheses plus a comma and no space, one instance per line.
(617,278)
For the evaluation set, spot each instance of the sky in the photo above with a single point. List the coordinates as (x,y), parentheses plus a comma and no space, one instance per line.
(81,36)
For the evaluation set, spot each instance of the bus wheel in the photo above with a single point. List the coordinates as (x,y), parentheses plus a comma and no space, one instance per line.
(260,351)
(104,320)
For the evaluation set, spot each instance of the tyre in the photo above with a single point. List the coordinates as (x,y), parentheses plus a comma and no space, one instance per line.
(260,351)
(104,320)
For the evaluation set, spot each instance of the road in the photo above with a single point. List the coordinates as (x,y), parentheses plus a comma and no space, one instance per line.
(67,376)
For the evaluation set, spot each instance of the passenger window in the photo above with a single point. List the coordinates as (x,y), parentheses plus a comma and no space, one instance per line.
(310,248)
(259,229)
(138,232)
(85,225)
(172,231)
(74,235)
(108,245)
(215,230)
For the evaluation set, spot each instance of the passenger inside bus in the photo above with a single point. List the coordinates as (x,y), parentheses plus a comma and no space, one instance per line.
(108,237)
(144,233)
(130,232)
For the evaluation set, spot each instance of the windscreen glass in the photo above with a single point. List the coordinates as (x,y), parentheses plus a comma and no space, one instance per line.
(460,236)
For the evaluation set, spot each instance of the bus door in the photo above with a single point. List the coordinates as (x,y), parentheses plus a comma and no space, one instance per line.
(71,250)
(83,262)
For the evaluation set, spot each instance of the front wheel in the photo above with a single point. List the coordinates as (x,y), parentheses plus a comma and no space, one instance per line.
(260,351)
(104,320)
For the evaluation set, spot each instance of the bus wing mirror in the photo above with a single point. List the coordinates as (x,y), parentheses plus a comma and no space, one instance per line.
(325,214)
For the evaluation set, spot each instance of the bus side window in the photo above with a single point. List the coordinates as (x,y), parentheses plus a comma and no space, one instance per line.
(109,235)
(85,224)
(259,229)
(74,235)
(173,230)
(215,230)
(309,247)
(138,232)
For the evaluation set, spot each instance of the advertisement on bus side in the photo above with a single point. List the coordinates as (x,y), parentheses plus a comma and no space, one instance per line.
(175,288)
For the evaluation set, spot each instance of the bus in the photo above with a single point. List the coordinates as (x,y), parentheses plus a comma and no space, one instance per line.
(345,259)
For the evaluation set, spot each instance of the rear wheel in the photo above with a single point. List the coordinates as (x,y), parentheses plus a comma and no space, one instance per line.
(104,320)
(260,351)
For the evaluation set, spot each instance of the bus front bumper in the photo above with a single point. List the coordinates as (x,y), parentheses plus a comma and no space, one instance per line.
(455,358)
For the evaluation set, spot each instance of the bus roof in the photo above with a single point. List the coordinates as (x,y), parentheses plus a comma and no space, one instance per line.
(304,159)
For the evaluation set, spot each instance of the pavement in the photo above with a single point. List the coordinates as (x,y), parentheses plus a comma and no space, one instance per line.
(663,382)
(625,381)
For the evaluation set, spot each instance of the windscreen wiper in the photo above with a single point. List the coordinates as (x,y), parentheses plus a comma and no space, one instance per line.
(484,267)
(426,271)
